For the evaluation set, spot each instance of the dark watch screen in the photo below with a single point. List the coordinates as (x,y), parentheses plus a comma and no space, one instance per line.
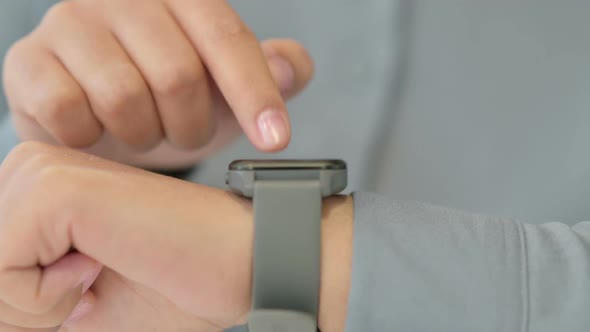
(287,164)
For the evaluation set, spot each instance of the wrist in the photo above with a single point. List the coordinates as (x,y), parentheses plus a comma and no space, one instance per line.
(337,230)
(336,263)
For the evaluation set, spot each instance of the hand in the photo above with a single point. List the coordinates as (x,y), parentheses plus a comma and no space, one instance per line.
(131,77)
(172,256)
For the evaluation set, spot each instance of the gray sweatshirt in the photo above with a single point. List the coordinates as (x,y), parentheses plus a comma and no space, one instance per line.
(478,106)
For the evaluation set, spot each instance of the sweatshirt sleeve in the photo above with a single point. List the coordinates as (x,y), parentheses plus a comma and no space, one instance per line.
(418,267)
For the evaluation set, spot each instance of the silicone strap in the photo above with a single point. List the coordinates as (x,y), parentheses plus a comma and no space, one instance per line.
(287,248)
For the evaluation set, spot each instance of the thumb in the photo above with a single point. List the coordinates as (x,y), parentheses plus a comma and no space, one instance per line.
(44,296)
(290,65)
(291,68)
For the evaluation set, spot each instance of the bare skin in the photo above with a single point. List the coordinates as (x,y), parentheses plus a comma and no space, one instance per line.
(99,246)
(159,83)
(172,255)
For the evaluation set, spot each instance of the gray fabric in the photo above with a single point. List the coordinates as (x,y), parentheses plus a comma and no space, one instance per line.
(495,113)
(481,106)
(419,267)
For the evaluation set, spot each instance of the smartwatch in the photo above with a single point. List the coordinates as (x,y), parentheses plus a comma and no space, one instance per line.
(287,198)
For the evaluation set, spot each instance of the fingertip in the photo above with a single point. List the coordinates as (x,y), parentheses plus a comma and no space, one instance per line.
(82,309)
(73,269)
(297,56)
(273,130)
(283,73)
(89,277)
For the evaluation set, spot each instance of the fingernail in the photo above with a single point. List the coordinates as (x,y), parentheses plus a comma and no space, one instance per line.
(79,311)
(273,128)
(88,278)
(283,73)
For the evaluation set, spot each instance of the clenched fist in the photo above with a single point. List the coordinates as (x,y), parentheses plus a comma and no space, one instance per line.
(89,245)
(128,78)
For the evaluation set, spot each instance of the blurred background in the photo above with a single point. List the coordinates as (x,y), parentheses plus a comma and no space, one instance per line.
(478,105)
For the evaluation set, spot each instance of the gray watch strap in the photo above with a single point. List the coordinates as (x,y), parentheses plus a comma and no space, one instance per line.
(287,250)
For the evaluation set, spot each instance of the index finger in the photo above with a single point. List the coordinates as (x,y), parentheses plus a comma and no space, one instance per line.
(232,54)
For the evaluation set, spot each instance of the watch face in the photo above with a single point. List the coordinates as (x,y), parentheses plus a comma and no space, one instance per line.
(287,164)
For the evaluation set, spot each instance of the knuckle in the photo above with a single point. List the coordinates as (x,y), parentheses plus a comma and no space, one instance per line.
(16,67)
(38,163)
(114,95)
(55,106)
(15,53)
(25,165)
(60,11)
(48,168)
(23,152)
(49,176)
(36,158)
(178,79)
(55,172)
(15,159)
(59,110)
(228,30)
